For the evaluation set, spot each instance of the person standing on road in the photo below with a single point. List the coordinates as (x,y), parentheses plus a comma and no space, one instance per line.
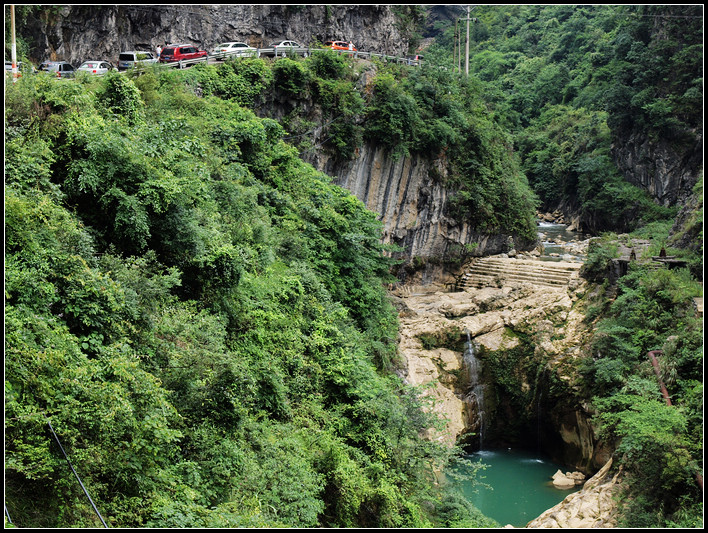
(159,51)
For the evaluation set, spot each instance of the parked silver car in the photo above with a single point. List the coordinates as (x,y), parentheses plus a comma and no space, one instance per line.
(132,58)
(61,69)
(95,67)
(282,48)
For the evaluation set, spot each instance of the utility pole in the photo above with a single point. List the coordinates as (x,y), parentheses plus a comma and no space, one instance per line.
(457,47)
(454,44)
(14,44)
(467,46)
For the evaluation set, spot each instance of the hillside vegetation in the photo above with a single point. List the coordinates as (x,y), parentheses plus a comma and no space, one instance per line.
(572,84)
(201,317)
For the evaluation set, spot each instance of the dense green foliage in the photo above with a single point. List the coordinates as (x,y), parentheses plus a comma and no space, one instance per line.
(660,446)
(201,317)
(568,81)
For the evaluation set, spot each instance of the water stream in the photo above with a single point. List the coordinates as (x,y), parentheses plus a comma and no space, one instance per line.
(556,240)
(475,394)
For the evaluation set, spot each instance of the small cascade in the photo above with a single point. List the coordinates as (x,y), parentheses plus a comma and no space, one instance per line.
(538,393)
(538,421)
(476,390)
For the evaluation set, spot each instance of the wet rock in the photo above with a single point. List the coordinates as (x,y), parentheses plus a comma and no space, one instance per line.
(568,480)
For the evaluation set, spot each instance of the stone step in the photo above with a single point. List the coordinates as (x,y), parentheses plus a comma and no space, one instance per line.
(518,277)
(494,269)
(548,265)
(487,271)
(520,269)
(486,280)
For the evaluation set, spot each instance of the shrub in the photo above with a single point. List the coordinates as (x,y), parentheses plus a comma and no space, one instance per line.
(328,65)
(291,77)
(119,95)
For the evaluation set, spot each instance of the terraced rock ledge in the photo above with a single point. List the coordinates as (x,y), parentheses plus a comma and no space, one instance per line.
(496,271)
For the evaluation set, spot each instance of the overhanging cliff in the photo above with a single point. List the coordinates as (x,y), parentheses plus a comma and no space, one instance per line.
(75,33)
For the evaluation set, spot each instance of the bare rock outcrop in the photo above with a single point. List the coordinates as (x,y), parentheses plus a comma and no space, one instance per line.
(551,317)
(78,32)
(488,314)
(568,480)
(593,506)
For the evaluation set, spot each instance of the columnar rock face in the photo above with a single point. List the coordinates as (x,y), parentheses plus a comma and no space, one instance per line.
(78,32)
(410,202)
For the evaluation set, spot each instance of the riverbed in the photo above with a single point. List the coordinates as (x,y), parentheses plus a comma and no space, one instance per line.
(560,243)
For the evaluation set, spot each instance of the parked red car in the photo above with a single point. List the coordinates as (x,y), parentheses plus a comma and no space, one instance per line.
(179,52)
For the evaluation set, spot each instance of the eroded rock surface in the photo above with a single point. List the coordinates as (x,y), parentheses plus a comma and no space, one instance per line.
(489,315)
(591,507)
(496,318)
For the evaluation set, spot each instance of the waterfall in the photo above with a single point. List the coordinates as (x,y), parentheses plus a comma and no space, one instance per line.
(538,420)
(475,393)
(538,392)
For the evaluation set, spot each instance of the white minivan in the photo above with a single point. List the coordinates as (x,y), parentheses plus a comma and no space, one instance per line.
(131,58)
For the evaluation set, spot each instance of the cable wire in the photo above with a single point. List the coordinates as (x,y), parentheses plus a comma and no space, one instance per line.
(75,474)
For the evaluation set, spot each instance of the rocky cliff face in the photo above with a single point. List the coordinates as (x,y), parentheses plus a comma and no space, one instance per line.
(666,169)
(529,338)
(411,202)
(75,33)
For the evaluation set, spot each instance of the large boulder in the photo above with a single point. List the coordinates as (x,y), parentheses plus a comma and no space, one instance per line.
(568,480)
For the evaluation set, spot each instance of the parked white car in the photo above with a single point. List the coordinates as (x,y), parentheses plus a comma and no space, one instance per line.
(131,58)
(282,48)
(232,48)
(95,67)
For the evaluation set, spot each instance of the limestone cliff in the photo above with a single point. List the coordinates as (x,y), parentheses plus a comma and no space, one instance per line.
(411,201)
(665,168)
(529,337)
(78,32)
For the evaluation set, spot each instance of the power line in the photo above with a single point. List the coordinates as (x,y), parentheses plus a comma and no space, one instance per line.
(75,474)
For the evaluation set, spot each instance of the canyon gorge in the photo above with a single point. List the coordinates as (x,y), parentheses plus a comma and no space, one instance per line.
(497,323)
(527,336)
